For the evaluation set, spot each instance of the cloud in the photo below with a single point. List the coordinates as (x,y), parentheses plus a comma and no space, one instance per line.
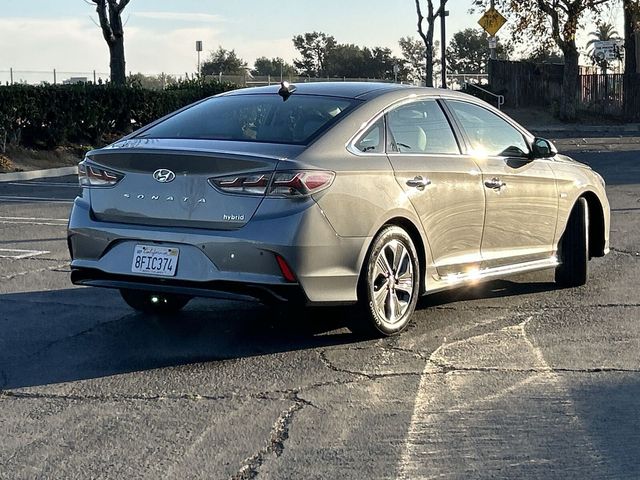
(181,16)
(36,44)
(74,46)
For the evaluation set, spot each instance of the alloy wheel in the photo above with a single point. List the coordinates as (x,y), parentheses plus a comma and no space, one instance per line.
(392,282)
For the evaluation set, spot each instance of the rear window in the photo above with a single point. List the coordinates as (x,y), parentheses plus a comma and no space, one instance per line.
(255,118)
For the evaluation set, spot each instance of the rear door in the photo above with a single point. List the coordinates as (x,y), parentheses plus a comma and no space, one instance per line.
(444,186)
(521,194)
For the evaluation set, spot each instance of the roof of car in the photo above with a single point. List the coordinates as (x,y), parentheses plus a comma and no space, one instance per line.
(337,89)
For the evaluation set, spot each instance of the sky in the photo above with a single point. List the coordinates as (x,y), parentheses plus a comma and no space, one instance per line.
(160,35)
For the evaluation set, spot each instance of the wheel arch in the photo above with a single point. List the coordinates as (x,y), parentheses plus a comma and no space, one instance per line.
(596,224)
(416,237)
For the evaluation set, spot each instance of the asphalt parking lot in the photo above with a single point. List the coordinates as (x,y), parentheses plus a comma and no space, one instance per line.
(513,379)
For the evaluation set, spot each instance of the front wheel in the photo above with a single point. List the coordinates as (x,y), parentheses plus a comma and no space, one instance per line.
(389,285)
(154,303)
(573,250)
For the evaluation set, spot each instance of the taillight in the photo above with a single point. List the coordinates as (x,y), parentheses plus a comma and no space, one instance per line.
(253,184)
(299,183)
(90,175)
(287,273)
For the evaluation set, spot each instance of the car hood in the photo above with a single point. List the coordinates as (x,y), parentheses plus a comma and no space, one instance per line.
(560,158)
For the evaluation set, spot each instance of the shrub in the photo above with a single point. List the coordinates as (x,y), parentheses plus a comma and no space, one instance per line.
(47,116)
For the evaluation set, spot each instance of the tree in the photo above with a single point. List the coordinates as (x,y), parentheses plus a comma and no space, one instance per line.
(427,37)
(554,21)
(631,60)
(381,63)
(314,48)
(605,32)
(545,55)
(274,67)
(468,51)
(222,61)
(110,17)
(346,60)
(414,53)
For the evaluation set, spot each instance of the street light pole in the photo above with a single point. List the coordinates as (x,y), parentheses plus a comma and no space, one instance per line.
(199,49)
(443,38)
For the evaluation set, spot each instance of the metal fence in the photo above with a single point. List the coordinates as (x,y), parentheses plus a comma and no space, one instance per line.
(53,76)
(161,80)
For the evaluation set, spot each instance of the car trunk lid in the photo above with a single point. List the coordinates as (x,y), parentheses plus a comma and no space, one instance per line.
(187,199)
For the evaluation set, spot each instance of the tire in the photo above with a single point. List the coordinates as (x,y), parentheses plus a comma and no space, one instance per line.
(573,249)
(389,285)
(154,303)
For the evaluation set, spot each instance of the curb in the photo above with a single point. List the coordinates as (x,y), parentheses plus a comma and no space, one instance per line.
(577,129)
(35,174)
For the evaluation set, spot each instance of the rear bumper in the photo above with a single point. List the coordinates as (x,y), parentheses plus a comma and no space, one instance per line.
(240,262)
(266,293)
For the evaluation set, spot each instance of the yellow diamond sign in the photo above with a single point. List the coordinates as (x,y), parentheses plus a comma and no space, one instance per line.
(492,21)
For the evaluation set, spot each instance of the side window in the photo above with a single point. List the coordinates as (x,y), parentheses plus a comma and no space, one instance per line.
(421,127)
(488,133)
(373,140)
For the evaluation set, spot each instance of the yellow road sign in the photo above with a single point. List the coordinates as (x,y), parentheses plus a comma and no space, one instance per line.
(492,21)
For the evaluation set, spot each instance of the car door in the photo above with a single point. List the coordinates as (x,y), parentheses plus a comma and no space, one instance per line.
(521,193)
(444,186)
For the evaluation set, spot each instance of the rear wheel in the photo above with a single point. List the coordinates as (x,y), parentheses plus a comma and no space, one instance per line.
(154,303)
(389,285)
(573,250)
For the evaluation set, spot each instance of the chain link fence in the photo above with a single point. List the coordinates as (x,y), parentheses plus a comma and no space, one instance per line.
(162,80)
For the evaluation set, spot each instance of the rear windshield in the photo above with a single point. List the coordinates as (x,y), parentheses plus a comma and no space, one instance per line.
(258,118)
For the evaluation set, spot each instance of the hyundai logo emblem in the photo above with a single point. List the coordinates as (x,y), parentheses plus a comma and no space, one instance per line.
(164,175)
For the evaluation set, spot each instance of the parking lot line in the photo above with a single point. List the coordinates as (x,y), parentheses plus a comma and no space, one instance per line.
(32,199)
(43,184)
(35,219)
(18,254)
(52,222)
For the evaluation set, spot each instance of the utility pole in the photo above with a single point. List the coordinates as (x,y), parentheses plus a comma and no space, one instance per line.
(443,38)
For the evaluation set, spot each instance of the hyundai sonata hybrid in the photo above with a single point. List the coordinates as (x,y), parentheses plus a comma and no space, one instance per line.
(362,194)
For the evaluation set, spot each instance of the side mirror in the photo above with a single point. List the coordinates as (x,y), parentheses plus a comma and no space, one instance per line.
(543,148)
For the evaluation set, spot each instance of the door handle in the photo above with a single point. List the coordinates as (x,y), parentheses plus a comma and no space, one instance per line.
(495,183)
(419,182)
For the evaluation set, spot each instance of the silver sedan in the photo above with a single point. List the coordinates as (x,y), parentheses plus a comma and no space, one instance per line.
(359,194)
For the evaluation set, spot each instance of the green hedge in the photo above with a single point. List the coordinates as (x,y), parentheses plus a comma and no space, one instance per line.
(52,115)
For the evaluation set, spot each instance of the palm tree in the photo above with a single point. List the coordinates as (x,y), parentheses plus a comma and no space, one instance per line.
(605,31)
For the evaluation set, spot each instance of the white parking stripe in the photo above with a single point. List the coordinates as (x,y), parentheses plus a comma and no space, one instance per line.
(43,184)
(32,199)
(48,224)
(34,219)
(18,254)
(508,349)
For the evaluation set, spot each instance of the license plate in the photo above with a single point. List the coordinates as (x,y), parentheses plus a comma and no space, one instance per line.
(152,260)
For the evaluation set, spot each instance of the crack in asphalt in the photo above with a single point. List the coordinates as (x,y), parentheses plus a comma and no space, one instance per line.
(624,252)
(146,398)
(75,335)
(447,368)
(276,443)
